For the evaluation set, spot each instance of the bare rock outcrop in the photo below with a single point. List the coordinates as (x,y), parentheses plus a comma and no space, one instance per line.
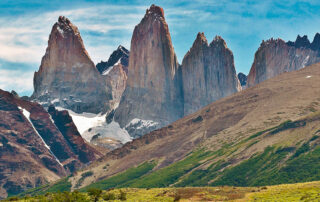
(276,56)
(208,73)
(153,91)
(67,77)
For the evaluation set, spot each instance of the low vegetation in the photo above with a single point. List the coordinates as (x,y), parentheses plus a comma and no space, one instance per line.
(60,186)
(123,179)
(288,192)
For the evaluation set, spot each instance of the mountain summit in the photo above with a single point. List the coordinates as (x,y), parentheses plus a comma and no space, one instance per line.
(276,56)
(151,92)
(67,77)
(208,73)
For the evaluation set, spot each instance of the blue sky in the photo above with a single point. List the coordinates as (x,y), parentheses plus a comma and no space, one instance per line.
(25,27)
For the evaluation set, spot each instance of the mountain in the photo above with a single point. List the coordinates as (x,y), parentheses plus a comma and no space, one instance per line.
(152,92)
(67,77)
(276,56)
(159,90)
(115,71)
(266,134)
(37,147)
(242,79)
(121,55)
(208,73)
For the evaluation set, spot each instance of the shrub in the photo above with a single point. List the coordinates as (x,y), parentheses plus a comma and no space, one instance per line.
(95,193)
(109,196)
(122,196)
(177,197)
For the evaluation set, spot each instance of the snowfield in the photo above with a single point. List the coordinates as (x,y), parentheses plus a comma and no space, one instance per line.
(89,124)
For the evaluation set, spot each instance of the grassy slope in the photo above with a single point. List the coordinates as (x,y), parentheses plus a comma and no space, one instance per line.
(123,179)
(60,186)
(275,165)
(287,192)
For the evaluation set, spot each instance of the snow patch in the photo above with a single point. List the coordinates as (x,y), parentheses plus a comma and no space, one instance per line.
(89,124)
(139,127)
(305,61)
(84,121)
(142,123)
(26,113)
(107,71)
(111,130)
(55,100)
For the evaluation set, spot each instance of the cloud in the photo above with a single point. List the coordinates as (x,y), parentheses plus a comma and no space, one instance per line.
(18,80)
(24,39)
(104,26)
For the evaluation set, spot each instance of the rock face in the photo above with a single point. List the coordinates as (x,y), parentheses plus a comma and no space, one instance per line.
(208,73)
(67,77)
(115,71)
(276,56)
(153,91)
(242,79)
(159,90)
(33,150)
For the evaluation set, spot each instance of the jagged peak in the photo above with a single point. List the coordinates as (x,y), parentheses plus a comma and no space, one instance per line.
(302,42)
(64,26)
(218,40)
(315,45)
(316,36)
(198,42)
(155,10)
(123,49)
(201,37)
(277,41)
(64,20)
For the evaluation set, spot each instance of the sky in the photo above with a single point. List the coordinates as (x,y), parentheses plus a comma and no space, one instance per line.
(25,26)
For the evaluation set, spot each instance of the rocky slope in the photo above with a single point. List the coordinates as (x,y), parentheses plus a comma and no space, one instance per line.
(266,134)
(67,77)
(33,150)
(275,56)
(208,73)
(152,91)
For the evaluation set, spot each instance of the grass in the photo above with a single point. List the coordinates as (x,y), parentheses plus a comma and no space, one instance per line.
(123,179)
(275,165)
(288,192)
(83,177)
(170,174)
(60,186)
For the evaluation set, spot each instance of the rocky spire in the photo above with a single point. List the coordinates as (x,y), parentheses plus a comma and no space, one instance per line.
(302,42)
(315,45)
(276,56)
(152,91)
(67,77)
(208,73)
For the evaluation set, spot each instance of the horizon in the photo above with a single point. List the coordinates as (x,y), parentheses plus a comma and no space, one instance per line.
(104,25)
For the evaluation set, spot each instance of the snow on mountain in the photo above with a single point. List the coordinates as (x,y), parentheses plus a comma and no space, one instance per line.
(26,113)
(89,125)
(138,127)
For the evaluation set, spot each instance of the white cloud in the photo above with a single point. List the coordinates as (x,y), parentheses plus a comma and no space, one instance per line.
(24,38)
(18,80)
